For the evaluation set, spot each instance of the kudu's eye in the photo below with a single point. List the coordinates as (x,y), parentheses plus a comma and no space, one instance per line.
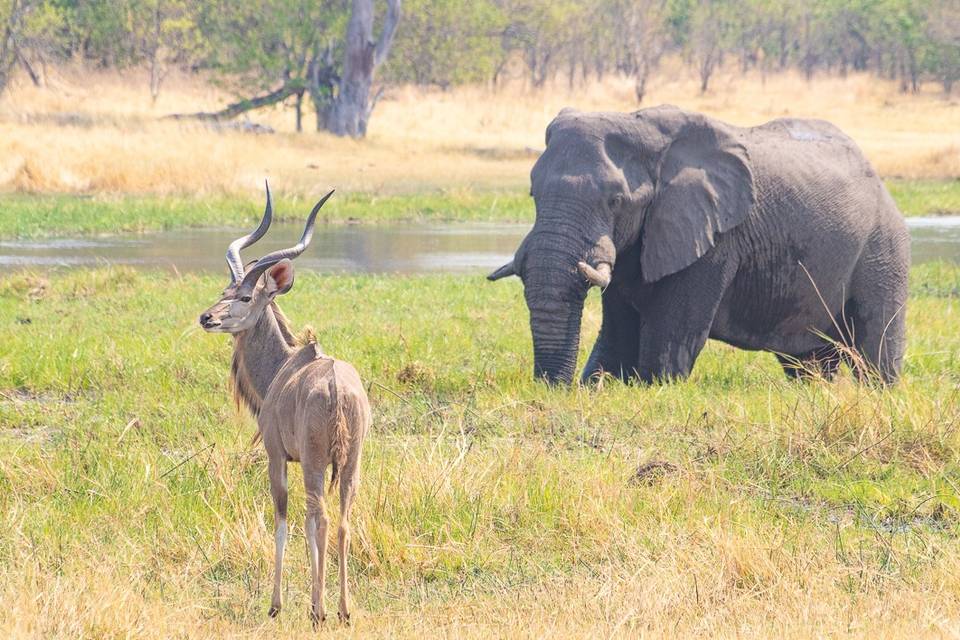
(245,298)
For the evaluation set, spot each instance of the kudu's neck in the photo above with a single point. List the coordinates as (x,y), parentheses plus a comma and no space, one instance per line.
(258,354)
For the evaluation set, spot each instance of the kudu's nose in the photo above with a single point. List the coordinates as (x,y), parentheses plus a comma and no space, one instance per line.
(204,319)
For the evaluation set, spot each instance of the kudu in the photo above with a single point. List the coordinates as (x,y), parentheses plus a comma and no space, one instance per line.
(310,408)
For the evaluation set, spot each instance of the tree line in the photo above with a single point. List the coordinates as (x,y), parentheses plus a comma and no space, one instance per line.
(329,56)
(447,42)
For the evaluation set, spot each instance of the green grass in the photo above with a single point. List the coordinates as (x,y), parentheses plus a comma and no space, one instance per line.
(491,505)
(926,197)
(32,216)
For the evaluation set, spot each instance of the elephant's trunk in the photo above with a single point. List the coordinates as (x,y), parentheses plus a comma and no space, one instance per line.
(556,339)
(564,236)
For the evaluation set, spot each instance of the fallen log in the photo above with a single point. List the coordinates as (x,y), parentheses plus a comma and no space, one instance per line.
(242,106)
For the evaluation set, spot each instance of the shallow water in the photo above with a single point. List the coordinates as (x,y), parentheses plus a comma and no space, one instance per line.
(935,238)
(399,248)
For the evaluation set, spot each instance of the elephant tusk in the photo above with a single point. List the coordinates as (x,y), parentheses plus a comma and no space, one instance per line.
(599,276)
(503,272)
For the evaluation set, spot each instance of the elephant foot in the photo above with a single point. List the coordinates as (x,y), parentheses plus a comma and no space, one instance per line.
(594,376)
(822,362)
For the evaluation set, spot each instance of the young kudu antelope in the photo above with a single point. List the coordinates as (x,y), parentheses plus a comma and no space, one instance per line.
(310,408)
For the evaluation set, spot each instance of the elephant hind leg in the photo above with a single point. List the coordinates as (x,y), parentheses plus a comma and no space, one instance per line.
(876,310)
(878,333)
(872,344)
(822,362)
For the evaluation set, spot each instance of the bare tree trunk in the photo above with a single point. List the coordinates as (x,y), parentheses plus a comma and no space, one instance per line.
(640,85)
(541,70)
(34,76)
(299,111)
(351,110)
(784,52)
(322,79)
(809,59)
(497,71)
(156,72)
(156,77)
(9,52)
(707,64)
(914,71)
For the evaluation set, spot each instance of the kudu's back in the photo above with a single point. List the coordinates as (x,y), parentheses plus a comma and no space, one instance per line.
(316,411)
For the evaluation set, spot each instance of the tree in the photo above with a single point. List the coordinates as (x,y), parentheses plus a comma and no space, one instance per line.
(545,33)
(300,46)
(166,32)
(273,50)
(12,14)
(646,39)
(28,30)
(711,27)
(447,42)
(329,54)
(942,49)
(351,108)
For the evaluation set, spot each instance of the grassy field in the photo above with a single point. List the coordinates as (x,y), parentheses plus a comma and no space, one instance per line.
(491,506)
(89,153)
(93,133)
(33,216)
(926,197)
(131,502)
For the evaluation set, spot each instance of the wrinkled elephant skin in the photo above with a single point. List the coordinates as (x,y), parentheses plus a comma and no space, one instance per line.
(779,238)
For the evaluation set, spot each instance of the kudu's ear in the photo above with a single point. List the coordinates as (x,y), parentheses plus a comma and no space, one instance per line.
(279,278)
(502,272)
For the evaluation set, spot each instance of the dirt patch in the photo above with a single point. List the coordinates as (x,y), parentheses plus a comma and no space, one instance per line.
(39,434)
(22,395)
(652,472)
(415,374)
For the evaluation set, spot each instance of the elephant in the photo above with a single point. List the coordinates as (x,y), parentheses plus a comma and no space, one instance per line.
(779,238)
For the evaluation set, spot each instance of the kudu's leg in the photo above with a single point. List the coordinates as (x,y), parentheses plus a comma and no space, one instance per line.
(277,470)
(316,532)
(348,489)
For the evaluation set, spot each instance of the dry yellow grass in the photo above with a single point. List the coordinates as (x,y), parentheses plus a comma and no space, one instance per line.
(713,580)
(132,505)
(467,137)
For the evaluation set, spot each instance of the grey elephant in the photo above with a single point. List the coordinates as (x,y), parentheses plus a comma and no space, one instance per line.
(779,238)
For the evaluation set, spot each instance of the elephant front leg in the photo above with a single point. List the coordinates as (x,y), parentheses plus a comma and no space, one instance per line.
(677,319)
(615,351)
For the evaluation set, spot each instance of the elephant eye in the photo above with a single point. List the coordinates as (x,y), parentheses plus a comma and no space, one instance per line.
(614,202)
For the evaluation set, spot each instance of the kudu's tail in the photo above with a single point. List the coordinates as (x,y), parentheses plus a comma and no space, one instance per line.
(340,438)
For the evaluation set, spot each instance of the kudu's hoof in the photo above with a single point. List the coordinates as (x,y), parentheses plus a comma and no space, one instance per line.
(344,618)
(316,620)
(273,611)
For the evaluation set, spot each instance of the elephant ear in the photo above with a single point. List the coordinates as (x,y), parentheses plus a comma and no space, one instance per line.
(705,188)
